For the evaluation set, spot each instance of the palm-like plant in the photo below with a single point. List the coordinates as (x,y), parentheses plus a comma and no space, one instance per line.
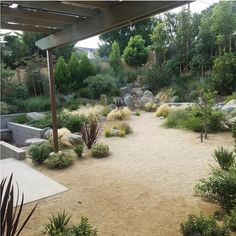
(90,133)
(10,215)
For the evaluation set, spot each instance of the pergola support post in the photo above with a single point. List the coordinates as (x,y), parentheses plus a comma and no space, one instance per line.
(53,100)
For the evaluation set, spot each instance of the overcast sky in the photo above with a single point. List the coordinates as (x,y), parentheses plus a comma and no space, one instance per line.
(197,6)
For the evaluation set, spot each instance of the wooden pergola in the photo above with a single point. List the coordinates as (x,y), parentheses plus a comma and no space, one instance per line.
(70,21)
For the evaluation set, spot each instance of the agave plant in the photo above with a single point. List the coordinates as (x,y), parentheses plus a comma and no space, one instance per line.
(90,133)
(10,215)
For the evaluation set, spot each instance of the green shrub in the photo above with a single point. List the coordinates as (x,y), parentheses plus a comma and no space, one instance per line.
(40,152)
(234,135)
(21,119)
(58,225)
(220,186)
(101,84)
(224,158)
(35,104)
(230,219)
(107,132)
(78,149)
(59,161)
(72,122)
(42,123)
(100,150)
(230,97)
(175,118)
(216,120)
(137,113)
(84,228)
(86,93)
(202,226)
(3,108)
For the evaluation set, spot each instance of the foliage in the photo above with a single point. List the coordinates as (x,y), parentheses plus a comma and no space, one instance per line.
(101,84)
(40,152)
(114,57)
(89,112)
(11,218)
(224,74)
(63,134)
(84,228)
(202,226)
(3,108)
(150,107)
(74,66)
(35,104)
(20,119)
(163,110)
(62,76)
(234,135)
(71,121)
(122,35)
(220,186)
(42,123)
(58,224)
(78,149)
(59,161)
(100,150)
(90,133)
(224,158)
(155,77)
(137,113)
(230,219)
(119,114)
(190,118)
(117,129)
(136,53)
(230,97)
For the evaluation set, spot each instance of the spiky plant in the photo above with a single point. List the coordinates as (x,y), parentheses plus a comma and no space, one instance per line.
(10,215)
(224,158)
(119,103)
(90,133)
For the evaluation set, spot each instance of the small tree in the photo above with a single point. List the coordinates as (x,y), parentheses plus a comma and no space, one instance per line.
(114,57)
(74,66)
(62,76)
(136,53)
(205,104)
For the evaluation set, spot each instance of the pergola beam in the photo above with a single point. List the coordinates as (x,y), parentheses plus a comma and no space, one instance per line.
(26,21)
(27,28)
(104,5)
(122,14)
(55,6)
(36,15)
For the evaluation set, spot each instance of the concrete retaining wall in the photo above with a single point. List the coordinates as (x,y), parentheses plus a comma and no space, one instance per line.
(7,118)
(10,151)
(22,132)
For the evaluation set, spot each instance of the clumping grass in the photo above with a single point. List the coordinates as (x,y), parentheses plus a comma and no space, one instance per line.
(163,110)
(100,150)
(224,158)
(36,104)
(59,161)
(150,107)
(40,152)
(137,113)
(78,149)
(121,127)
(21,119)
(119,114)
(174,118)
(42,123)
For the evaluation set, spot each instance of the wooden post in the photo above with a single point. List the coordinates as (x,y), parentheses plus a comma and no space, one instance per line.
(53,100)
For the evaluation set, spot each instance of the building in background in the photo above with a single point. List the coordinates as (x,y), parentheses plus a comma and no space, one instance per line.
(90,52)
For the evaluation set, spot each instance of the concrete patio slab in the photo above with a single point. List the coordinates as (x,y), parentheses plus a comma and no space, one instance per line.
(32,183)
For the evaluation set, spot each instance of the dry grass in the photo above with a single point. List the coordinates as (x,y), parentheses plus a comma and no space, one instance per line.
(163,110)
(119,114)
(63,134)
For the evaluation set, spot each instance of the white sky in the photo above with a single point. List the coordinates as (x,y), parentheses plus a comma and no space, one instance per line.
(93,42)
(197,7)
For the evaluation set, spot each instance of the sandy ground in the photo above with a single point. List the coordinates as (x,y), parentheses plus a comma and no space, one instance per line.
(144,188)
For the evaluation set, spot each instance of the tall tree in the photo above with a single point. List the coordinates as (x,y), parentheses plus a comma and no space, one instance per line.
(136,53)
(115,58)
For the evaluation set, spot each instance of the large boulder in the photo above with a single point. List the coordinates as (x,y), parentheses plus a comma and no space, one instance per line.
(231,121)
(33,141)
(47,134)
(125,90)
(35,116)
(138,92)
(230,106)
(218,106)
(75,139)
(147,97)
(128,100)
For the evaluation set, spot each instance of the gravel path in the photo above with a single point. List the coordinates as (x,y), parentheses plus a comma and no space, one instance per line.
(144,188)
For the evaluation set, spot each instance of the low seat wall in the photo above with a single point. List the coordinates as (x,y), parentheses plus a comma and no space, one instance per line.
(10,151)
(22,132)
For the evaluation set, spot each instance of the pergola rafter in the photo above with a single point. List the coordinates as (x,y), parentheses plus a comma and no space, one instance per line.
(70,21)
